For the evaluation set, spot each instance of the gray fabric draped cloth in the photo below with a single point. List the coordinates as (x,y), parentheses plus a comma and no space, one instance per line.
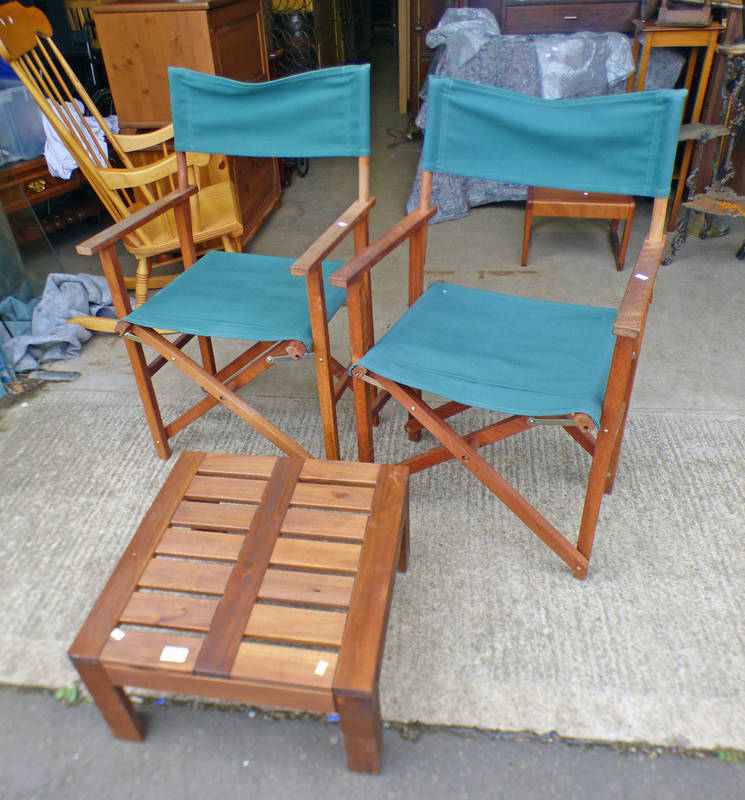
(470,47)
(36,332)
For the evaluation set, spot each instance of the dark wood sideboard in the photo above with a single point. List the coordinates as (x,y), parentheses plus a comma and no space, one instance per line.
(515,16)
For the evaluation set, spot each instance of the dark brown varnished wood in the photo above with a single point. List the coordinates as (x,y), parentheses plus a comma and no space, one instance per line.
(242,584)
(226,630)
(603,447)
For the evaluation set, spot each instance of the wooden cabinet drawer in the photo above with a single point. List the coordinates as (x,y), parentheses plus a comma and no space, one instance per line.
(29,182)
(567,17)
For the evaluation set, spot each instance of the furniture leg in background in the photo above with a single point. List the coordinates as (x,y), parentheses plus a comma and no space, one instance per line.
(648,35)
(545,202)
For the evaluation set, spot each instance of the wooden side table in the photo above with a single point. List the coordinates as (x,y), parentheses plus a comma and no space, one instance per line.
(647,36)
(545,202)
(258,580)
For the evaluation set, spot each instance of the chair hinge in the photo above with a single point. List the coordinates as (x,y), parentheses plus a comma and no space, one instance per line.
(582,421)
(563,421)
(276,359)
(368,379)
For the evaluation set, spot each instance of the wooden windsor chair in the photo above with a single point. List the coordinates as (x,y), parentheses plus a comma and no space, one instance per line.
(127,172)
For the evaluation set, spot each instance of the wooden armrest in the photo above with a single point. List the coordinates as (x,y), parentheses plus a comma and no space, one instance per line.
(118,230)
(117,178)
(331,237)
(165,167)
(139,141)
(381,247)
(638,295)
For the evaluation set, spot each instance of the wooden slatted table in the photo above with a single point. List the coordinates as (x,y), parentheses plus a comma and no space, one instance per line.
(260,580)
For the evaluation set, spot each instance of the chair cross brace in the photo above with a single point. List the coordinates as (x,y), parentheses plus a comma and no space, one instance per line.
(568,420)
(464,448)
(289,357)
(213,383)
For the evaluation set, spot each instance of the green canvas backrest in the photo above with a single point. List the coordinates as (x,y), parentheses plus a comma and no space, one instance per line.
(325,112)
(619,144)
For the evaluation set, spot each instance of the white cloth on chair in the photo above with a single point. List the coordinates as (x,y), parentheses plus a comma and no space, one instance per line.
(60,162)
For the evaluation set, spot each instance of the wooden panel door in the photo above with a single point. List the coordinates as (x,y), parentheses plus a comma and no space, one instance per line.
(140,39)
(424,15)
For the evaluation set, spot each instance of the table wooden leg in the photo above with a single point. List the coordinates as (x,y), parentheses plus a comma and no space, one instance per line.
(112,702)
(641,74)
(634,59)
(362,727)
(526,226)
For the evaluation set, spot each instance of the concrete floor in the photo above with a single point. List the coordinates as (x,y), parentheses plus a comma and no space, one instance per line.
(691,364)
(50,751)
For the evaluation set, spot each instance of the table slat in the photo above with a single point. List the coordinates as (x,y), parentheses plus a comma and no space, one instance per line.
(169,611)
(144,649)
(261,467)
(299,625)
(333,524)
(309,554)
(186,576)
(293,666)
(213,516)
(333,496)
(232,490)
(200,544)
(306,587)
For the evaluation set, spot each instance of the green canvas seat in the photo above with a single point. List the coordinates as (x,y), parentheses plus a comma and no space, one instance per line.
(238,296)
(533,362)
(567,352)
(281,306)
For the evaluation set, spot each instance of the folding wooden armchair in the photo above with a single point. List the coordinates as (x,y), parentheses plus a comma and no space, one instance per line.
(281,304)
(537,362)
(130,171)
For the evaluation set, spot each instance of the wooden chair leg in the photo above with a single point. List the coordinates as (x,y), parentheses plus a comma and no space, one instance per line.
(403,554)
(327,403)
(596,484)
(363,420)
(620,248)
(413,428)
(149,400)
(144,268)
(362,728)
(616,453)
(608,441)
(526,228)
(324,362)
(229,244)
(615,244)
(626,234)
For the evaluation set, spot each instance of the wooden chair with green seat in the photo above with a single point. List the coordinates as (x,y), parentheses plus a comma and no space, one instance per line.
(121,184)
(531,361)
(282,304)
